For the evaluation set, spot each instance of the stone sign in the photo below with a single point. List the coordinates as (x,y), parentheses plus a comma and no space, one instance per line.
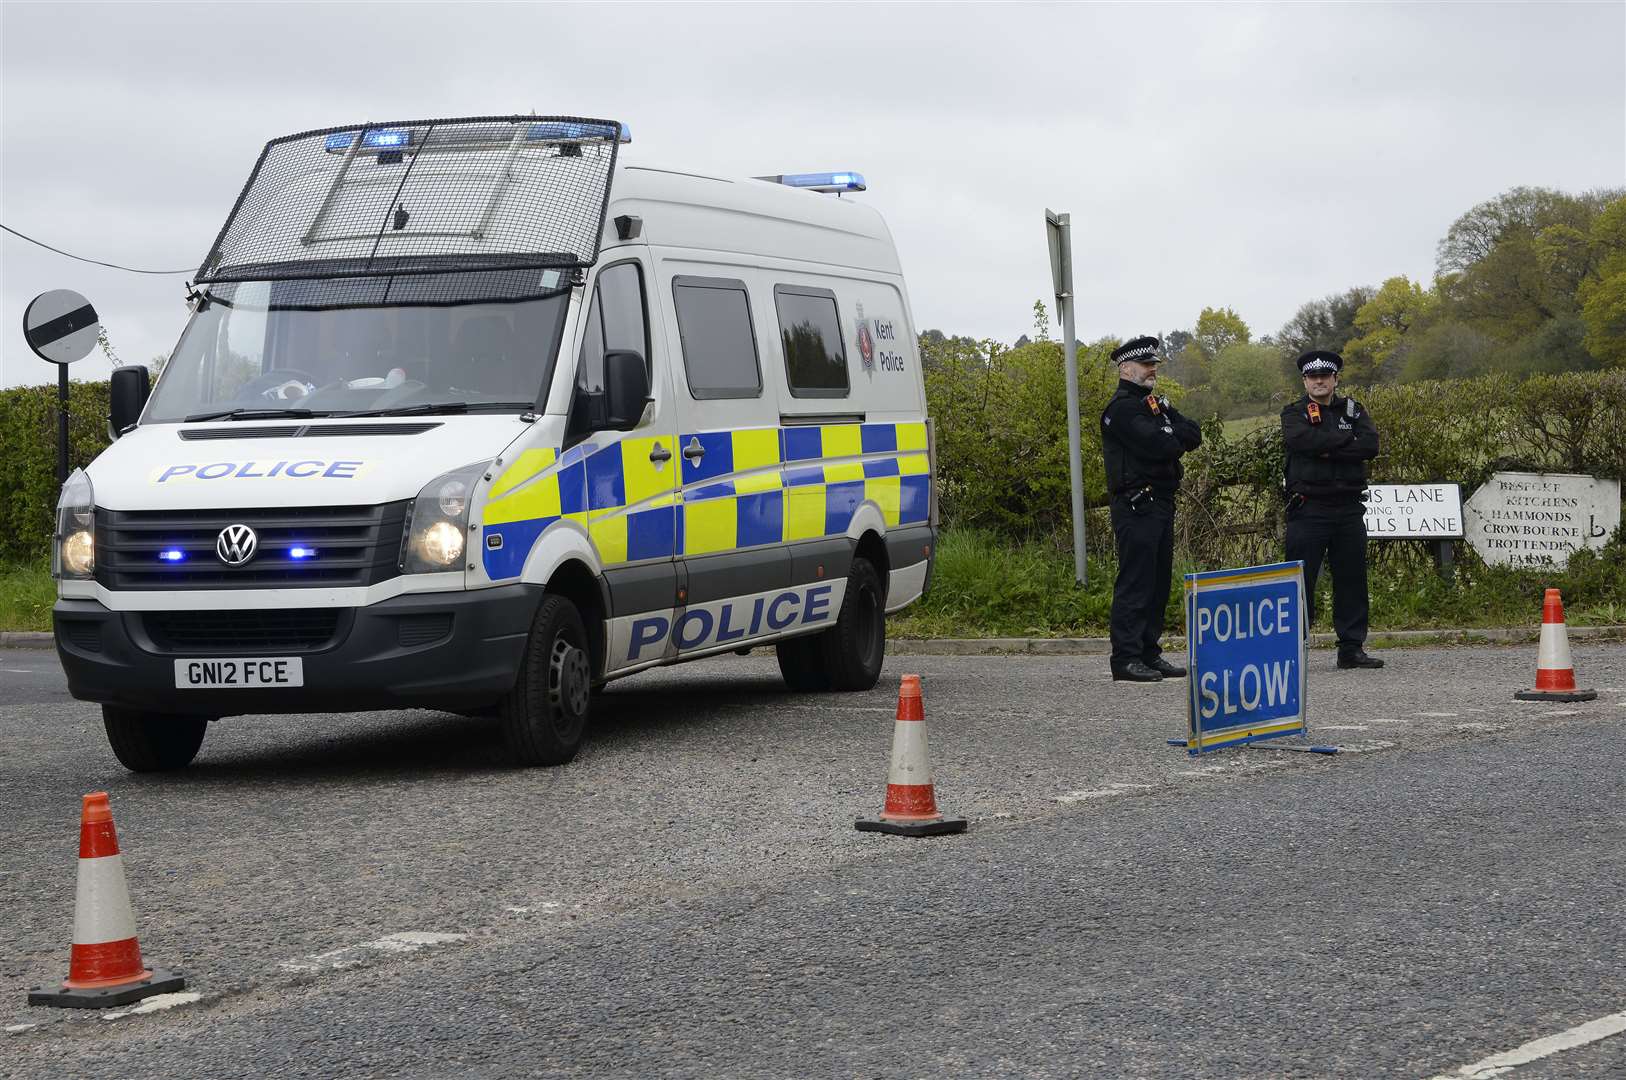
(1411,511)
(1531,519)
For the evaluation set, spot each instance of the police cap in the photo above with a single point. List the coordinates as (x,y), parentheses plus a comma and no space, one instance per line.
(1318,361)
(1142,349)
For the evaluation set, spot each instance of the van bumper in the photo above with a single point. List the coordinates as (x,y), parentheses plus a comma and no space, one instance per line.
(385,656)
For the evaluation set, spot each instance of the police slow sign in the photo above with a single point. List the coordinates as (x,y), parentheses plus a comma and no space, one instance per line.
(1245,654)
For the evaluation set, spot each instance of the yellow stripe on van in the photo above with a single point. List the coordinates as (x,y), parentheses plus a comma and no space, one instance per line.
(914,464)
(610,538)
(886,492)
(638,474)
(527,465)
(835,474)
(755,448)
(804,512)
(536,500)
(841,440)
(711,525)
(911,437)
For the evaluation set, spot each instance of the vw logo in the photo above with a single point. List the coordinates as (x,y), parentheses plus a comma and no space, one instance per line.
(236,544)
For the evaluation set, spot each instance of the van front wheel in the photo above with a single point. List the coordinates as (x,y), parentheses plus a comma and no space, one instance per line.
(153,742)
(855,646)
(545,715)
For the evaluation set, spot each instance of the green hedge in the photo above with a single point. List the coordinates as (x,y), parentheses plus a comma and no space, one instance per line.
(28,418)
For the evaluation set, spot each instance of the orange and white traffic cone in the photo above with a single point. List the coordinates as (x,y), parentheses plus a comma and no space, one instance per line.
(1555,671)
(104,966)
(911,803)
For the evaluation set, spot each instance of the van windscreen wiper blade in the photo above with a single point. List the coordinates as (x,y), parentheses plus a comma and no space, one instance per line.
(250,414)
(442,407)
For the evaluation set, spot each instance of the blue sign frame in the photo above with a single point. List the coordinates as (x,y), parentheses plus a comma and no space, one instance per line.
(1245,651)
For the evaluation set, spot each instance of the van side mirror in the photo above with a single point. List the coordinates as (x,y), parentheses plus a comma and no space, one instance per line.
(626,389)
(127,396)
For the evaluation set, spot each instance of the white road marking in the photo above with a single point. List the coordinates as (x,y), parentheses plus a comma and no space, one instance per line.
(1205,771)
(18,671)
(410,941)
(1343,727)
(1437,714)
(1581,1035)
(1080,796)
(156,1003)
(1367,747)
(1146,787)
(1384,720)
(18,1029)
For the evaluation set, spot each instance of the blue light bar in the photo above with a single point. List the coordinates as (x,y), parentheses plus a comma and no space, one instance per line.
(823,181)
(339,142)
(301,553)
(565,131)
(385,139)
(172,555)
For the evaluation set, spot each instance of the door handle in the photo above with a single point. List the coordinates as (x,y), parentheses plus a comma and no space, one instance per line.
(660,454)
(694,451)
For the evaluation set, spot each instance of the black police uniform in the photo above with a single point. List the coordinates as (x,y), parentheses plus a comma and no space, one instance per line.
(1142,439)
(1326,450)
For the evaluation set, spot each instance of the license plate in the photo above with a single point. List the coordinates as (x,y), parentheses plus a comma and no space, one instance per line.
(252,673)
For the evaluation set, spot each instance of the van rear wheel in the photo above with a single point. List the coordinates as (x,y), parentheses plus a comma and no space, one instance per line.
(801,662)
(150,741)
(856,645)
(545,715)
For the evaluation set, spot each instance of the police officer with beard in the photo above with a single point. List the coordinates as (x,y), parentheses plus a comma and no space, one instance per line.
(1328,439)
(1142,438)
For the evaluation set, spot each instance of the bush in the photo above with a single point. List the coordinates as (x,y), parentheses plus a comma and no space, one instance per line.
(28,419)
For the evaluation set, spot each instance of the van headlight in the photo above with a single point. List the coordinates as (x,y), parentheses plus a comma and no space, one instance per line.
(437,524)
(73,548)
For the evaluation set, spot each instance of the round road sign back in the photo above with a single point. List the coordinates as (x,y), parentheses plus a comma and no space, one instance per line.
(61,326)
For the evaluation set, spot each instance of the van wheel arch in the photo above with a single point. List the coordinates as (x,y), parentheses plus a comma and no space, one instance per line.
(578,584)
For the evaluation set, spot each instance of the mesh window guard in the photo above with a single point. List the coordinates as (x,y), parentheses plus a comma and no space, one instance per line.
(422,196)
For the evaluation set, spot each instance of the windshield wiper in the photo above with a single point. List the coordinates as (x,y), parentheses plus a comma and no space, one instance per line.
(442,407)
(249,414)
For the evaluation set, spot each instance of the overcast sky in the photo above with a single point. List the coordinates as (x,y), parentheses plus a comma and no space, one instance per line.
(1252,156)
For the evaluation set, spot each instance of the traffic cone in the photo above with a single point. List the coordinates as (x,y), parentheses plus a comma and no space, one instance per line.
(104,966)
(1555,672)
(911,804)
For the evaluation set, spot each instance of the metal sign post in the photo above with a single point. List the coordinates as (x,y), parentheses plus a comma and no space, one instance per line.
(1059,228)
(61,326)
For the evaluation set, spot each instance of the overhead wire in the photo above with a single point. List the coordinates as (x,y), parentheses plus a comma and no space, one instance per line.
(97,262)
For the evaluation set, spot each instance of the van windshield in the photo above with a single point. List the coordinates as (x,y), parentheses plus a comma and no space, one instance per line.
(418,343)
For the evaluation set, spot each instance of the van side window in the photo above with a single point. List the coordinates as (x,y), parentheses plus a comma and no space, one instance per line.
(615,320)
(719,345)
(810,329)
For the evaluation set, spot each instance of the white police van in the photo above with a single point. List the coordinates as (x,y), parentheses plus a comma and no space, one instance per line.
(475,415)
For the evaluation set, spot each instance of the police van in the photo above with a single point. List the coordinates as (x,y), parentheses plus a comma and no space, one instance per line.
(476,415)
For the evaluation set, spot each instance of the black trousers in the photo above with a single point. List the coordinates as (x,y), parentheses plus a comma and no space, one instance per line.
(1337,534)
(1145,565)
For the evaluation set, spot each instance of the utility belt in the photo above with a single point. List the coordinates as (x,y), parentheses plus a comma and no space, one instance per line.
(1140,496)
(1344,500)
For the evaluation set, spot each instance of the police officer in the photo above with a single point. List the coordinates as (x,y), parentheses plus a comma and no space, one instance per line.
(1328,440)
(1142,438)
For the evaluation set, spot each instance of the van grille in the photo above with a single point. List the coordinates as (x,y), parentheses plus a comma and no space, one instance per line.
(351,545)
(224,632)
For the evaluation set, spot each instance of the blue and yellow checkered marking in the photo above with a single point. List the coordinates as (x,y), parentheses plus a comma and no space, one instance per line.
(752,487)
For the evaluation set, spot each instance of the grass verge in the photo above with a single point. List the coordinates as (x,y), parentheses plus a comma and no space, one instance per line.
(26,595)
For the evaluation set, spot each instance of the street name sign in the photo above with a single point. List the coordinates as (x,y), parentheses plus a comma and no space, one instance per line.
(1244,655)
(1413,511)
(1536,519)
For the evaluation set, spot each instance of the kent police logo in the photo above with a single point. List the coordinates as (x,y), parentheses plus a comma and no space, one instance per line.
(866,343)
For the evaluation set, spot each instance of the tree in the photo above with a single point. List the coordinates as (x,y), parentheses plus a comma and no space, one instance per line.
(1382,322)
(1446,350)
(1603,295)
(1245,374)
(1217,328)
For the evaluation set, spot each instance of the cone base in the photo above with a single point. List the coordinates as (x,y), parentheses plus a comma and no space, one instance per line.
(940,827)
(162,982)
(1555,695)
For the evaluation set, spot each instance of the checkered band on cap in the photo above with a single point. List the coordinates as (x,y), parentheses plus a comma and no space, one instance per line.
(1143,349)
(1318,361)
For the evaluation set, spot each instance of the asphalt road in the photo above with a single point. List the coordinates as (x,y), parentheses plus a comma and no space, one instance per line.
(377,895)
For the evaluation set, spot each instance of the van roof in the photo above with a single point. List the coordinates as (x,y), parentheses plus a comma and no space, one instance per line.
(750,217)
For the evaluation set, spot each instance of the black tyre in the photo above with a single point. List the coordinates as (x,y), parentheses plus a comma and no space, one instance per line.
(545,715)
(801,662)
(855,646)
(153,742)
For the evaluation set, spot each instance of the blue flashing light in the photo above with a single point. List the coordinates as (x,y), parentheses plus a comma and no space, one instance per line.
(385,139)
(339,142)
(301,553)
(563,130)
(172,555)
(827,181)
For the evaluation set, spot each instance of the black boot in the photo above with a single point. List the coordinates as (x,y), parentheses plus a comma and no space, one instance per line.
(1135,671)
(1166,669)
(1358,659)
